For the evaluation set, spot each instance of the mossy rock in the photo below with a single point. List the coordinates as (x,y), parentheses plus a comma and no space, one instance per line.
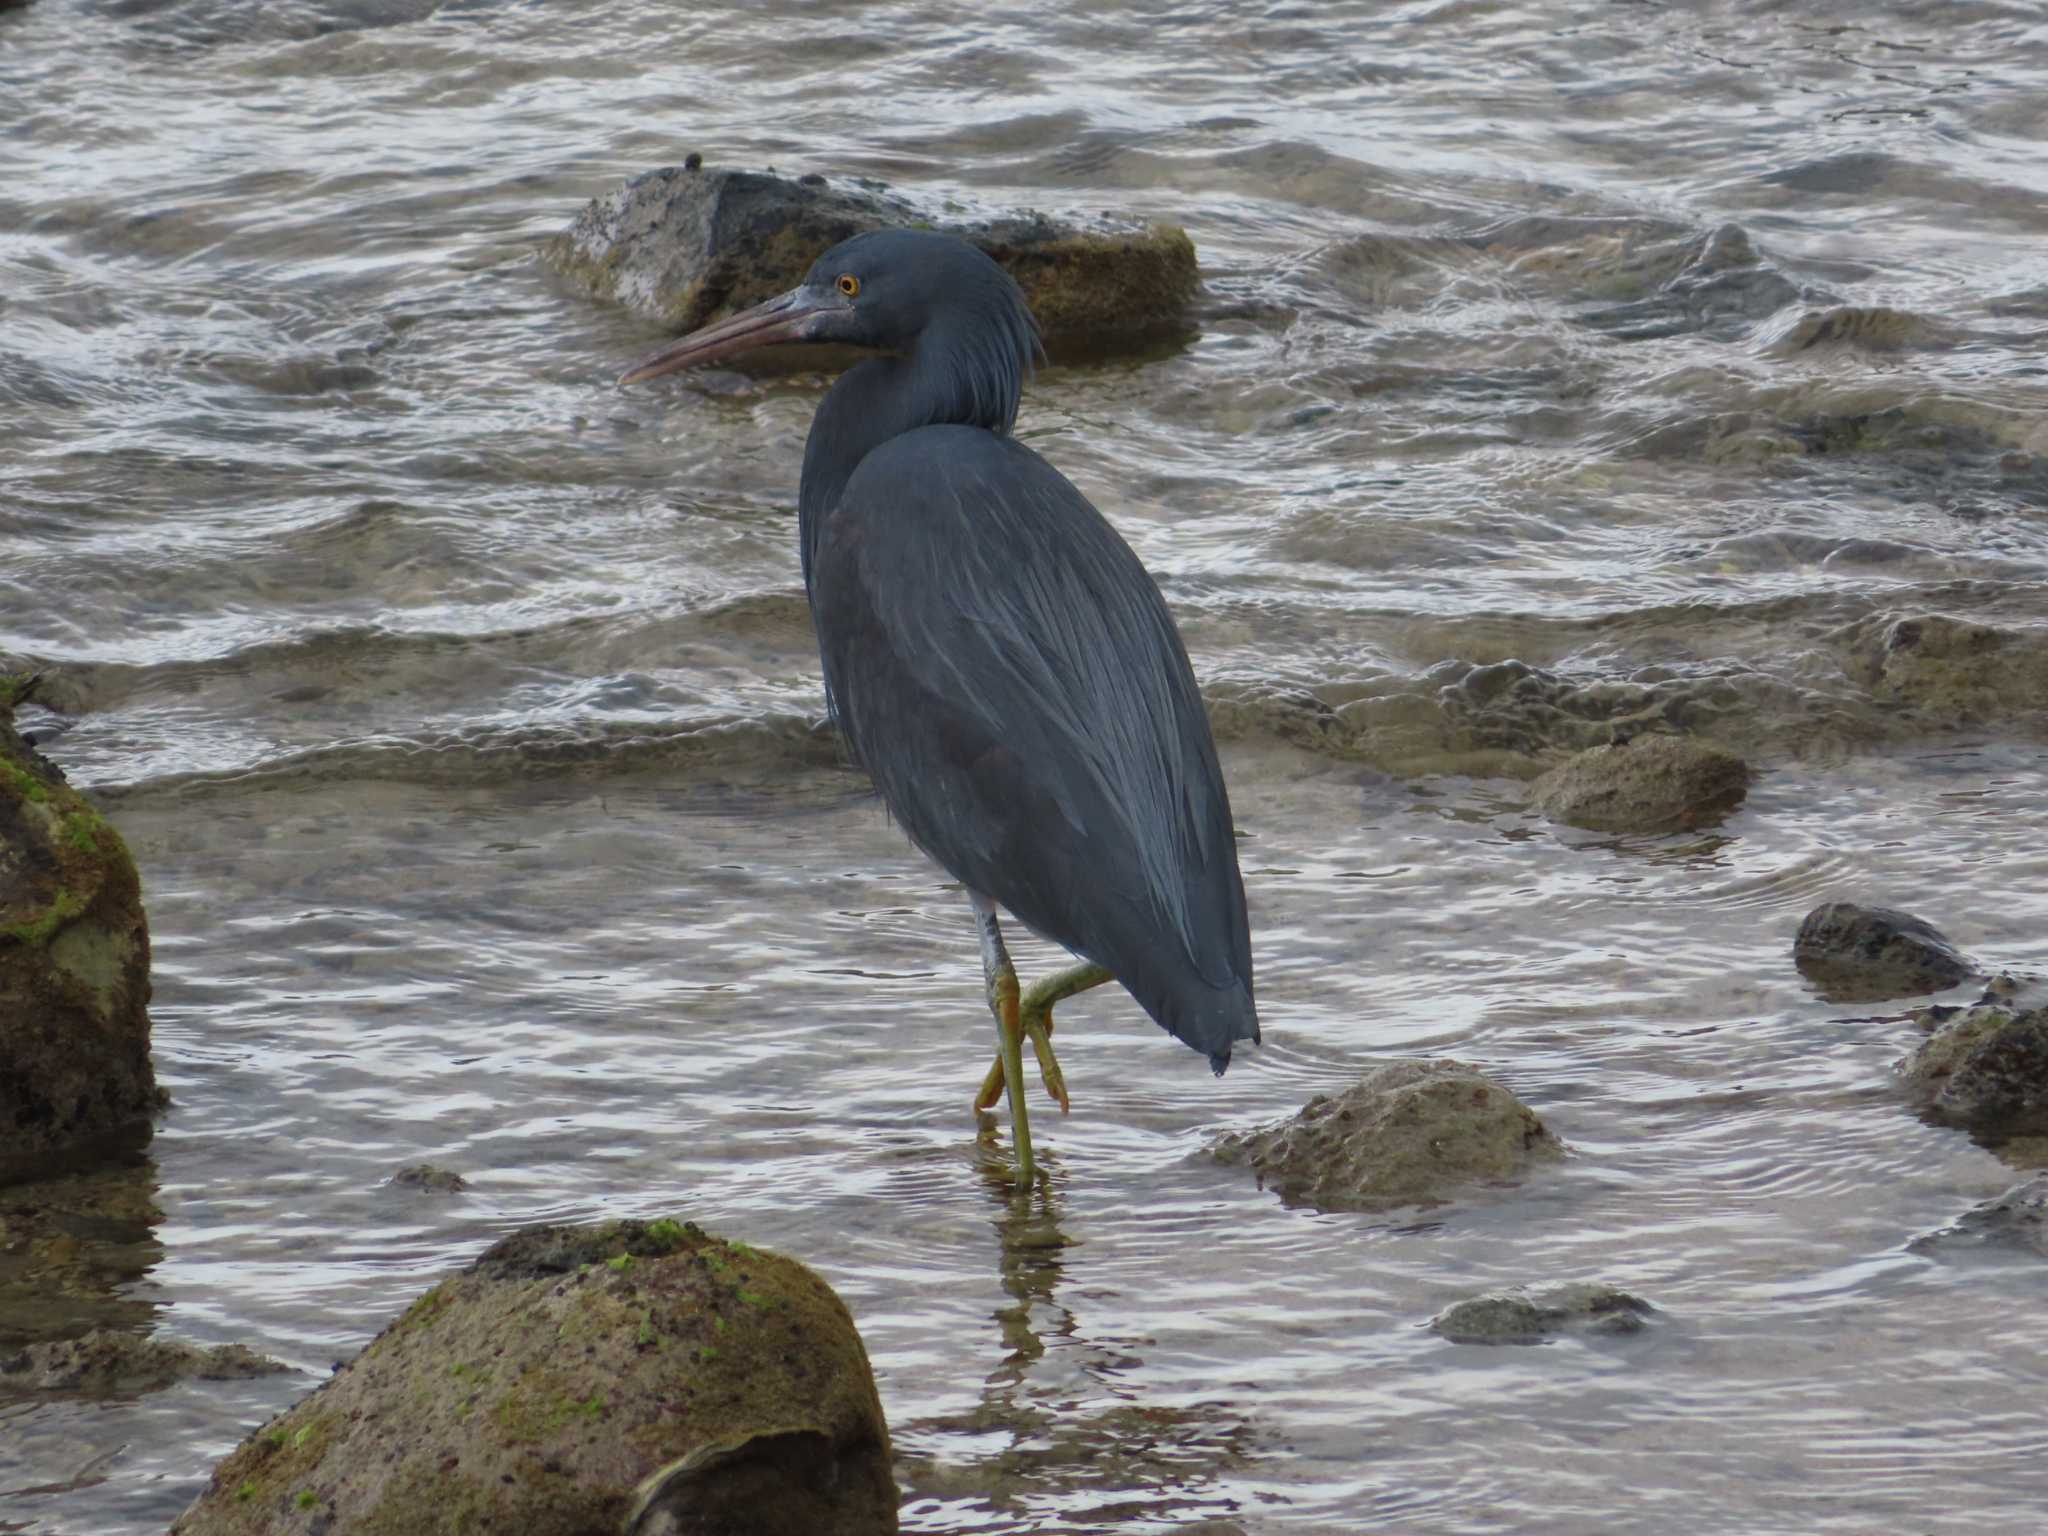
(1953,672)
(685,246)
(630,1376)
(1652,783)
(1408,1133)
(1986,1071)
(74,968)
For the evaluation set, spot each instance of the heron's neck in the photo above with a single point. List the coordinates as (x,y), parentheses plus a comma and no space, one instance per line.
(885,397)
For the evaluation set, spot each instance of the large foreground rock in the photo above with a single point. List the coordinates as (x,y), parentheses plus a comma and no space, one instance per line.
(74,966)
(685,245)
(1857,954)
(1653,783)
(1986,1070)
(629,1377)
(1409,1133)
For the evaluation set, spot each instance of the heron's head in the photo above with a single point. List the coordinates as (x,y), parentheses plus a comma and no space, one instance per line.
(929,296)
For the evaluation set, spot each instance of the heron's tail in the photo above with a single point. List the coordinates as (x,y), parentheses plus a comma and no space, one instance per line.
(1212,1019)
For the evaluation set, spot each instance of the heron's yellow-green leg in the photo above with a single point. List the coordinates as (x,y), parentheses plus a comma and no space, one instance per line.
(999,976)
(1010,1036)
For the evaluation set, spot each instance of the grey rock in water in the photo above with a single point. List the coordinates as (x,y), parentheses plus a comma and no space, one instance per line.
(1519,1316)
(685,246)
(2017,1221)
(1652,783)
(439,1181)
(74,967)
(1985,1070)
(1858,954)
(641,1377)
(1408,1133)
(105,1362)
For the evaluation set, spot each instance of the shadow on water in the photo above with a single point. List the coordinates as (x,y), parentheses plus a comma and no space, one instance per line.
(76,1250)
(1051,1449)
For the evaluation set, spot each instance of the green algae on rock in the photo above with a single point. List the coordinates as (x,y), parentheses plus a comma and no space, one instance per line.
(1408,1133)
(1653,783)
(684,246)
(640,1376)
(74,967)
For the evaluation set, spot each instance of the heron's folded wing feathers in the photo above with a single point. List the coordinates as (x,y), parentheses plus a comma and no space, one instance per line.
(997,655)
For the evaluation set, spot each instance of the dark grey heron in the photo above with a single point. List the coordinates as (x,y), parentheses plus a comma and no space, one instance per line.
(997,658)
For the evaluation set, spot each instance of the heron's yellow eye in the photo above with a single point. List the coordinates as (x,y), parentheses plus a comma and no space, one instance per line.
(849,285)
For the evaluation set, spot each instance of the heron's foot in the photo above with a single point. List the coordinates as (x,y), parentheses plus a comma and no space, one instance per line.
(1036,1023)
(1034,1018)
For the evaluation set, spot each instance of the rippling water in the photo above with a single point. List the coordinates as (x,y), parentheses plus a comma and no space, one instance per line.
(1559,369)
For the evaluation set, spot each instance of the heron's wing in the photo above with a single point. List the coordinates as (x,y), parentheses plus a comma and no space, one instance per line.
(1009,675)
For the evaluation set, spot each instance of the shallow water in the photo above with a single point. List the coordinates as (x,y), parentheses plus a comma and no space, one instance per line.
(460,711)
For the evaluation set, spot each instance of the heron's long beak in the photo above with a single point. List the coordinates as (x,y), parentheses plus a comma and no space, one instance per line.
(793,316)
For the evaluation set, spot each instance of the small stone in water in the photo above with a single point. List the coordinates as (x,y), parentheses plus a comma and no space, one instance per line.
(1518,1317)
(426,1176)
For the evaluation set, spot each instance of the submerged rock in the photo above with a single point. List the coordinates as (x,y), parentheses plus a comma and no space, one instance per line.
(1519,1317)
(1646,784)
(1857,954)
(1408,1133)
(1721,287)
(2017,1221)
(1953,671)
(632,1376)
(74,966)
(1870,328)
(1986,1070)
(105,1362)
(684,246)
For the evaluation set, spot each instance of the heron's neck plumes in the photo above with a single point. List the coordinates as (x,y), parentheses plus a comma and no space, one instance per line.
(966,367)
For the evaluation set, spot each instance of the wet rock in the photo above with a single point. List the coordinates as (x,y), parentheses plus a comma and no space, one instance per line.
(631,1376)
(1409,1133)
(2017,1221)
(683,247)
(74,967)
(1646,784)
(1519,1317)
(439,1181)
(1954,671)
(105,1362)
(1857,954)
(1986,1070)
